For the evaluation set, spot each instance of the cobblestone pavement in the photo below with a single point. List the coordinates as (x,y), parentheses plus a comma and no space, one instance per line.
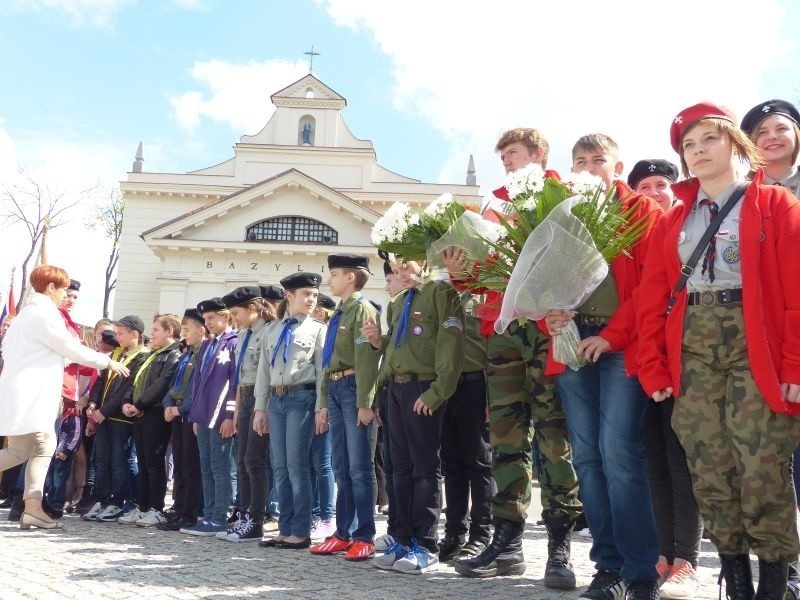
(110,560)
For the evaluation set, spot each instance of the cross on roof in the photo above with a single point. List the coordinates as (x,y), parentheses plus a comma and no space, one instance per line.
(311,56)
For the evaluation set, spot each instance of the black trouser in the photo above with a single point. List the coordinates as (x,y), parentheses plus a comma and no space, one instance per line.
(381,496)
(415,443)
(251,461)
(388,467)
(186,470)
(680,526)
(151,436)
(467,460)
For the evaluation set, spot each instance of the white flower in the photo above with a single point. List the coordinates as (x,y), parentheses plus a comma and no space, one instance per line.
(439,206)
(392,226)
(526,180)
(493,231)
(583,183)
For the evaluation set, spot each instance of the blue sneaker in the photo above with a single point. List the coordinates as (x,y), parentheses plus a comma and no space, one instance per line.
(392,554)
(204,529)
(417,560)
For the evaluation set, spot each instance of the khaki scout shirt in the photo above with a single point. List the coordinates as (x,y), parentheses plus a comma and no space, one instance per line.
(248,366)
(303,365)
(475,345)
(352,351)
(727,264)
(435,343)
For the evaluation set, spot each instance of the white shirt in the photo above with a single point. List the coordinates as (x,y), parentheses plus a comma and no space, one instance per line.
(36,349)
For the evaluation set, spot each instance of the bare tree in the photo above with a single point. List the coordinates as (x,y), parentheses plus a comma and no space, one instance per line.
(108,219)
(38,208)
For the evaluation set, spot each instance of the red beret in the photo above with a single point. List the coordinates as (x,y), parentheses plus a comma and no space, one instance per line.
(689,116)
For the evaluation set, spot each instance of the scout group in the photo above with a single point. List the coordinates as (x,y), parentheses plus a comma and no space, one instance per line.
(683,417)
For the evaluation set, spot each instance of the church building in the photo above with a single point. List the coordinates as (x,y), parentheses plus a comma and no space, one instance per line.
(301,188)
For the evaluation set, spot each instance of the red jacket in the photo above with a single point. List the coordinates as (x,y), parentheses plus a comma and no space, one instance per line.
(489,310)
(627,270)
(69,389)
(769,231)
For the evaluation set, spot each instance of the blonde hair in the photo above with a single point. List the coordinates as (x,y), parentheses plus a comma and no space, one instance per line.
(532,139)
(594,142)
(743,145)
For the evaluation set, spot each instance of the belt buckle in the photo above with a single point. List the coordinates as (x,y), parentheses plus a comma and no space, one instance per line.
(281,390)
(708,298)
(336,376)
(402,378)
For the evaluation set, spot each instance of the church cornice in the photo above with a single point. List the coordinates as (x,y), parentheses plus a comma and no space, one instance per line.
(323,103)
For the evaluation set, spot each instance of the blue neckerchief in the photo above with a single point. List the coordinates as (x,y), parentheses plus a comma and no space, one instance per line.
(209,352)
(177,380)
(285,339)
(241,353)
(401,337)
(330,338)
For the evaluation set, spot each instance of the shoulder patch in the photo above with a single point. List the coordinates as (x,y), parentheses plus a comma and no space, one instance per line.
(454,322)
(362,339)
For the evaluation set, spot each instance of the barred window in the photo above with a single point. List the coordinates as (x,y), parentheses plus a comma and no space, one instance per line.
(292,229)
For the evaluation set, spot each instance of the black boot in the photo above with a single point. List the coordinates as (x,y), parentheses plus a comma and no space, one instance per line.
(450,546)
(503,556)
(772,578)
(17,507)
(558,573)
(87,500)
(738,576)
(793,583)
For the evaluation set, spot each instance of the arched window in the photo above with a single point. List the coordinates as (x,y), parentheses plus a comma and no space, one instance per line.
(306,129)
(292,229)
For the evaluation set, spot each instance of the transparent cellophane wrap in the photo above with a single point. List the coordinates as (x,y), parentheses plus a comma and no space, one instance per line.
(469,232)
(558,267)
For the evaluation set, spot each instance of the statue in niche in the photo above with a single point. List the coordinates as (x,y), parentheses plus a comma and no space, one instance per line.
(306,134)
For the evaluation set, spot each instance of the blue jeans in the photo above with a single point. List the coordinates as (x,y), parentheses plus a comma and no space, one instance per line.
(352,463)
(322,476)
(291,427)
(605,415)
(216,455)
(57,478)
(113,447)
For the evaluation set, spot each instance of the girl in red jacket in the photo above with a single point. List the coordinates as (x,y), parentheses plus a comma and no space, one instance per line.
(729,348)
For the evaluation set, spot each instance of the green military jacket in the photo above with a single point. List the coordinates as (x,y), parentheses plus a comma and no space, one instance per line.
(475,345)
(352,351)
(435,342)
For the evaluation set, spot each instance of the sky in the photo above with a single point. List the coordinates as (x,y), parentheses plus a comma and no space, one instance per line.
(428,82)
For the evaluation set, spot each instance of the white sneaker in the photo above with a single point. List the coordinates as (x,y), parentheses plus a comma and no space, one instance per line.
(151,519)
(682,583)
(110,513)
(93,512)
(418,560)
(383,543)
(327,527)
(131,517)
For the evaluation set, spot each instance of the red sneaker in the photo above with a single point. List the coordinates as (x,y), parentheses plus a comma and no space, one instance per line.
(331,545)
(360,550)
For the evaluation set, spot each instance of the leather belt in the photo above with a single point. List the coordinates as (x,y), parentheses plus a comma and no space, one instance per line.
(244,386)
(409,377)
(591,320)
(709,298)
(282,390)
(337,375)
(471,376)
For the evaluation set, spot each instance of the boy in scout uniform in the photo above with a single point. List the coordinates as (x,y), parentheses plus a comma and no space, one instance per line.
(345,405)
(466,452)
(424,357)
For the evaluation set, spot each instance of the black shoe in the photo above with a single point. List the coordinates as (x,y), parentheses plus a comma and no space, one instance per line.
(301,545)
(472,549)
(87,500)
(450,546)
(793,583)
(558,573)
(606,585)
(737,575)
(642,590)
(6,503)
(772,578)
(270,543)
(503,556)
(17,507)
(236,516)
(247,532)
(176,524)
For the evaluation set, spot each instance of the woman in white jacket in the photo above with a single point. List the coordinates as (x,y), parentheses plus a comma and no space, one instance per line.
(36,348)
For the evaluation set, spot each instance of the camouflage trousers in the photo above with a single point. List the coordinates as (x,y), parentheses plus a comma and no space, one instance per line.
(523,400)
(739,451)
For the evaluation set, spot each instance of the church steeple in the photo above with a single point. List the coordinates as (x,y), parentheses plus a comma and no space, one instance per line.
(471,179)
(137,163)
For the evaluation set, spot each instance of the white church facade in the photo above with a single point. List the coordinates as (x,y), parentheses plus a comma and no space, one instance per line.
(301,188)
